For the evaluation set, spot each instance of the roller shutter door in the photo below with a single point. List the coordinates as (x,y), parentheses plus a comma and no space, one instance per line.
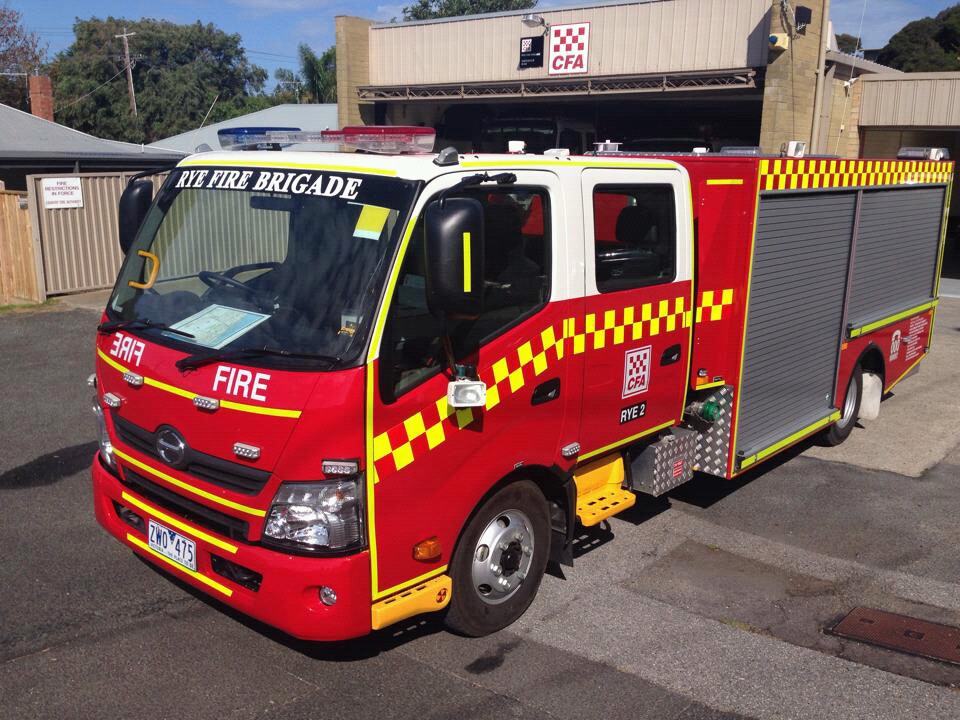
(895,257)
(795,315)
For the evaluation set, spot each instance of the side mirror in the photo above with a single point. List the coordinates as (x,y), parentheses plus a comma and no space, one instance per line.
(454,258)
(134,204)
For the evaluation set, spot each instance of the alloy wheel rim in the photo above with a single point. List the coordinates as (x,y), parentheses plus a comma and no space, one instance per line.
(502,557)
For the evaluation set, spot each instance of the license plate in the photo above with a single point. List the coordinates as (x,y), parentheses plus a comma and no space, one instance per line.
(173,545)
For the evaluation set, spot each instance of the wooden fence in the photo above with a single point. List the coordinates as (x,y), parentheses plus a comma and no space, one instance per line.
(20,277)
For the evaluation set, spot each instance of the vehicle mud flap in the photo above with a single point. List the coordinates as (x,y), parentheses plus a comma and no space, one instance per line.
(563,521)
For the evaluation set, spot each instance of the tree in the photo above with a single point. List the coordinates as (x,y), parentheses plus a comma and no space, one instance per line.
(178,73)
(318,74)
(428,9)
(848,43)
(926,45)
(20,52)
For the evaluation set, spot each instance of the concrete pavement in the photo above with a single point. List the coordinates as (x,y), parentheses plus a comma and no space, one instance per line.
(710,603)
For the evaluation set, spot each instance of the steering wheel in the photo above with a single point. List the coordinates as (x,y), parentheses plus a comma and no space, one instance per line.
(215,279)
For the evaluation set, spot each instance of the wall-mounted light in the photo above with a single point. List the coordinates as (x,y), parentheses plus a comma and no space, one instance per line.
(532,20)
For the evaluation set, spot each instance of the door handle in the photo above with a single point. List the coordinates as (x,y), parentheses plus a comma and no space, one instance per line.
(545,392)
(670,355)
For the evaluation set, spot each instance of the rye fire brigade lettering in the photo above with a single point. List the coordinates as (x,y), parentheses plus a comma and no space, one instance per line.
(636,371)
(274,181)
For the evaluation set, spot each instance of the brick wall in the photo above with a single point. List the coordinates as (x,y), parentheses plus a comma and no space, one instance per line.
(353,68)
(791,80)
(41,97)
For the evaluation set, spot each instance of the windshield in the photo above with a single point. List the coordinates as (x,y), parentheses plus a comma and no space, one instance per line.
(234,260)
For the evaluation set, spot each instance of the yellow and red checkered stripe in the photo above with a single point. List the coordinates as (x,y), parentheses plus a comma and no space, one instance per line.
(400,445)
(792,174)
(712,304)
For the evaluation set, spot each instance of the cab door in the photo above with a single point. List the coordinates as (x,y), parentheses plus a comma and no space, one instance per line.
(431,463)
(635,335)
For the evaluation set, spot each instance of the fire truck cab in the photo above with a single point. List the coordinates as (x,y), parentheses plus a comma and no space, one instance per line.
(338,390)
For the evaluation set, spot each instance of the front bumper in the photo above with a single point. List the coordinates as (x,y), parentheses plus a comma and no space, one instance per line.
(288,596)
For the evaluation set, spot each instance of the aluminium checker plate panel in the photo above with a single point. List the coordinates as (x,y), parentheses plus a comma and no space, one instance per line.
(713,442)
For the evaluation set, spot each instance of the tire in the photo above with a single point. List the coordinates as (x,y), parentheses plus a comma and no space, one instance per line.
(840,430)
(499,561)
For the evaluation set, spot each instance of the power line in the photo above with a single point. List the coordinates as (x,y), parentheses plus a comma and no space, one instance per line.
(84,97)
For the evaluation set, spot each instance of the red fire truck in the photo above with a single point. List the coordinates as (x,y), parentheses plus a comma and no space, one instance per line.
(337,390)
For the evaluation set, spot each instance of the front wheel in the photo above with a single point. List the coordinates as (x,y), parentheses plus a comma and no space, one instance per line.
(500,560)
(840,430)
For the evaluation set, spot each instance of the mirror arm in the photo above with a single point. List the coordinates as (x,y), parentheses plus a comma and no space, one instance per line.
(478,179)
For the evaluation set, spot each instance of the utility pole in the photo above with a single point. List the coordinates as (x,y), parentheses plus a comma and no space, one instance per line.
(126,55)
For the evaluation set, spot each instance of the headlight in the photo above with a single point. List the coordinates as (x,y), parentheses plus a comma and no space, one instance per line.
(316,516)
(106,447)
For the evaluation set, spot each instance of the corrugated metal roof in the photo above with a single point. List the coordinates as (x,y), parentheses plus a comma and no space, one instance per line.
(23,135)
(859,63)
(911,100)
(305,117)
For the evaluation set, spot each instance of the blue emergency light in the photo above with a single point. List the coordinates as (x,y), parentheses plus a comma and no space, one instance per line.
(254,138)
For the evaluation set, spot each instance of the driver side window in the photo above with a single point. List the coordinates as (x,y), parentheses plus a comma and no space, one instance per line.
(517,244)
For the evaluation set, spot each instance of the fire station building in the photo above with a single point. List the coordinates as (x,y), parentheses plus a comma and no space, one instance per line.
(654,75)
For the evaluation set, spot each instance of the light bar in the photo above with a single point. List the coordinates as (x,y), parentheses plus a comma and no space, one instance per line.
(923,153)
(249,138)
(384,139)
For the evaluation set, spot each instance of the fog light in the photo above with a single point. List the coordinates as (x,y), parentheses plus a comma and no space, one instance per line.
(328,596)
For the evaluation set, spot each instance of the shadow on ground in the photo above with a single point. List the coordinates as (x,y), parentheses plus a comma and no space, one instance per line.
(50,468)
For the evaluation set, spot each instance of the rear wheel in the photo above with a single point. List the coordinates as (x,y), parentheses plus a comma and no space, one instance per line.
(500,560)
(840,430)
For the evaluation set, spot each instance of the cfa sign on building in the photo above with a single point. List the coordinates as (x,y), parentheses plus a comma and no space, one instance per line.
(569,49)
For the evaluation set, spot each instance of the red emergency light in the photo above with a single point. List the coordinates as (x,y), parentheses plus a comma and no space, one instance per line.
(389,139)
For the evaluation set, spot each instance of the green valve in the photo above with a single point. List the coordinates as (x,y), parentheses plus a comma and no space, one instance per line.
(710,411)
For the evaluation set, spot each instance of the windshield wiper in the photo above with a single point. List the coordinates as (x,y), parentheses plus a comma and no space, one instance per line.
(114,325)
(191,362)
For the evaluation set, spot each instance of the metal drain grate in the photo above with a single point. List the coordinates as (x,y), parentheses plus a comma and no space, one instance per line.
(901,633)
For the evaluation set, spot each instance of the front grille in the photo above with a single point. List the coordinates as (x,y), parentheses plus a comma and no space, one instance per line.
(218,522)
(230,475)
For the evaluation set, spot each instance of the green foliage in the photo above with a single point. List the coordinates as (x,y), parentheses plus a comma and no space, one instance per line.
(20,52)
(847,43)
(927,45)
(178,72)
(318,74)
(428,9)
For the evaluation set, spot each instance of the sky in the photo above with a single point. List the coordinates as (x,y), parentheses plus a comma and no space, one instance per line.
(272,29)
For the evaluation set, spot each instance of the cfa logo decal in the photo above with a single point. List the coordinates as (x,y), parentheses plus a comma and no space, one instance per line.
(895,344)
(636,371)
(569,49)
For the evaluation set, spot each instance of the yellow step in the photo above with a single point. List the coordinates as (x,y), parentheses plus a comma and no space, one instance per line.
(599,505)
(599,490)
(428,596)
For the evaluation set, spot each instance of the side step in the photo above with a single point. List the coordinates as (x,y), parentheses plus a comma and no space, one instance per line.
(428,596)
(600,492)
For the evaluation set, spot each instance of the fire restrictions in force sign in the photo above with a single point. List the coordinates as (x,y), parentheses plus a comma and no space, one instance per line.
(569,48)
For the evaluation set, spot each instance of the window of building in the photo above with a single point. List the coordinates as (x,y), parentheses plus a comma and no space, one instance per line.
(516,267)
(635,235)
